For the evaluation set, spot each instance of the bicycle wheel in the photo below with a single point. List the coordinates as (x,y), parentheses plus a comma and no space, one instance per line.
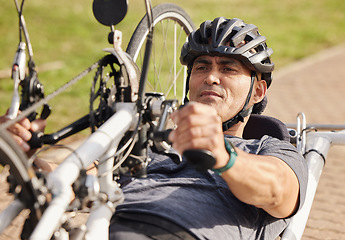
(17,194)
(172,25)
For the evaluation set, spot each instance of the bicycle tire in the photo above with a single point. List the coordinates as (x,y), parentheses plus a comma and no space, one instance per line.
(13,162)
(166,74)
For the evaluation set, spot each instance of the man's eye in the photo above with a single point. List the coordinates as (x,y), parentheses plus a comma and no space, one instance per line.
(227,69)
(200,68)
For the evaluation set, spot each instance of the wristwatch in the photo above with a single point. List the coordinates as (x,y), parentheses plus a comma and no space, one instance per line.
(233,155)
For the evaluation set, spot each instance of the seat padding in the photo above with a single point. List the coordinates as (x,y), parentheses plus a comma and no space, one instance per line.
(260,125)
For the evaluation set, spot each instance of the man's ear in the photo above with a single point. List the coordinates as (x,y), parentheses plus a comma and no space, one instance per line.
(259,92)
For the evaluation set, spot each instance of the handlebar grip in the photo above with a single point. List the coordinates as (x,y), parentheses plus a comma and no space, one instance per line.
(45,111)
(163,136)
(36,141)
(200,158)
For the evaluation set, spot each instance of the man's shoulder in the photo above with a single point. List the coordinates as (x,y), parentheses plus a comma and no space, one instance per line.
(257,145)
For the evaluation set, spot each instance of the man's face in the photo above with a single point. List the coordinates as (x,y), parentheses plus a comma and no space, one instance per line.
(220,82)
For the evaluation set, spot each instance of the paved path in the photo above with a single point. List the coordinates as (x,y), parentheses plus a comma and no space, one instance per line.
(315,86)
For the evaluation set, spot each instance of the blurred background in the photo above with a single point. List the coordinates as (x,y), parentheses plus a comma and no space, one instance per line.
(65,35)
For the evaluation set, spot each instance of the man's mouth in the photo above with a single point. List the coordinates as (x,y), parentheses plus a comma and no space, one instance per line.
(210,93)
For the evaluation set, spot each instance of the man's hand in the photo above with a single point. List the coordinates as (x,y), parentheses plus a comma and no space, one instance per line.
(20,131)
(199,127)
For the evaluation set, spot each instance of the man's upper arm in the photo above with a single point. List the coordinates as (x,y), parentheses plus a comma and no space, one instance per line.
(294,162)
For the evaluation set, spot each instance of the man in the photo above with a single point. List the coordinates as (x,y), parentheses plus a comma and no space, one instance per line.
(254,187)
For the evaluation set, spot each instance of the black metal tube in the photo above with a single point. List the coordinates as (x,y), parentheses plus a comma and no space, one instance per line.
(71,129)
(146,62)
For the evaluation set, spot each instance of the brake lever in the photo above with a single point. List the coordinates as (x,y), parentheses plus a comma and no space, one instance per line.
(163,136)
(32,89)
(18,75)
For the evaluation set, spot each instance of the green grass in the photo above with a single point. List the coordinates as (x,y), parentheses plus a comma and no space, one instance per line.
(67,31)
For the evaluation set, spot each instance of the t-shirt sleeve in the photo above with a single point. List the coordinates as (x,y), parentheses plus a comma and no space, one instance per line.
(288,153)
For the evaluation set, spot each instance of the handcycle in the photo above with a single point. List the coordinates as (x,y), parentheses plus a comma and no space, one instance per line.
(313,145)
(129,112)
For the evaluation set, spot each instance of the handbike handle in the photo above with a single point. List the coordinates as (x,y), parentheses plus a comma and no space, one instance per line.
(38,139)
(201,159)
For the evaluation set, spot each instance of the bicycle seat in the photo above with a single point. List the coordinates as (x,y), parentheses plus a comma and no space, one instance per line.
(260,125)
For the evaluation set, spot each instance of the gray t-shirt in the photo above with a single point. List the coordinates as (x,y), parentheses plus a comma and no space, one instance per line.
(202,202)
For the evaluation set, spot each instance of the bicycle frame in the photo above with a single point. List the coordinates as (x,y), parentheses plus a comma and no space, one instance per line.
(314,146)
(101,145)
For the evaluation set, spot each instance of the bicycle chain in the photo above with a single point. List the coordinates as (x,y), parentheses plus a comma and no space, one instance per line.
(44,100)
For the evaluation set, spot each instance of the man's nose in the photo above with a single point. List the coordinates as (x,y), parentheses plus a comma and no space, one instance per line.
(212,77)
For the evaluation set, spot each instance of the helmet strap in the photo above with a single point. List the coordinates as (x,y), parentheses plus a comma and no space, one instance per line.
(244,112)
(189,70)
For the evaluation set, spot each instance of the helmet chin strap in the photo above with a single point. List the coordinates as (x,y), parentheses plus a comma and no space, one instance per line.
(244,112)
(241,114)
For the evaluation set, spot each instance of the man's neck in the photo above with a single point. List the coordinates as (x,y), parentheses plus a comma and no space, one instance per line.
(237,129)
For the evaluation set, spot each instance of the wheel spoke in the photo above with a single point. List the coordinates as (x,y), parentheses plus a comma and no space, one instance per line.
(171,28)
